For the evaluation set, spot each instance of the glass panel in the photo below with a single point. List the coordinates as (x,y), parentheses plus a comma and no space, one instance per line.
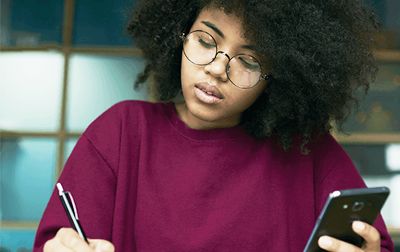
(16,240)
(31,22)
(97,82)
(375,159)
(380,166)
(30,91)
(392,157)
(103,23)
(390,210)
(379,112)
(388,12)
(26,165)
(69,146)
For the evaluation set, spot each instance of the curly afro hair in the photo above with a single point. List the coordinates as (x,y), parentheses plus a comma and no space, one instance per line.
(320,53)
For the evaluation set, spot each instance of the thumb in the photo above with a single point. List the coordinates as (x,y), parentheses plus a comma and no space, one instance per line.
(99,245)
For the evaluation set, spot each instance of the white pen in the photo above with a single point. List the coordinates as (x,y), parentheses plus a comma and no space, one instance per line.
(70,209)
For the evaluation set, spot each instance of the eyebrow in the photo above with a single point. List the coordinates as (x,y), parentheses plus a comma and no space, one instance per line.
(214,28)
(221,34)
(250,47)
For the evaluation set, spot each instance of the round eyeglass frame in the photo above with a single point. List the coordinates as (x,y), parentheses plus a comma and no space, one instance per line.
(183,36)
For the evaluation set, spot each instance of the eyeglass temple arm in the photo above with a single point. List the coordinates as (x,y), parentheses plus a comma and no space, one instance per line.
(266,76)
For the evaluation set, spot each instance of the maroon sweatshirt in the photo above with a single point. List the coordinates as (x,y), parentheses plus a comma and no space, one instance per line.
(146,182)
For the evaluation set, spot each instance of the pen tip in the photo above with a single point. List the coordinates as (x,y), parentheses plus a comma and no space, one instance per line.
(60,188)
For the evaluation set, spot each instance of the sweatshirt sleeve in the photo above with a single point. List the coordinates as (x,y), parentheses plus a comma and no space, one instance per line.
(90,175)
(85,170)
(337,172)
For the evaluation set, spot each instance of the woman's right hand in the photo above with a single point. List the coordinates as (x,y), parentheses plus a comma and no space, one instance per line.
(68,239)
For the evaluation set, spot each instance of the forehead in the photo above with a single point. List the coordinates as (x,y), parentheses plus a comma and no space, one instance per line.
(229,24)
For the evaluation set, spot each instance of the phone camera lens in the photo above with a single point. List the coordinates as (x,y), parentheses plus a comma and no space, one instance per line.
(357,206)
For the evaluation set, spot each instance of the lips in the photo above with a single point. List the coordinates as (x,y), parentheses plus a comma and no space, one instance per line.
(209,89)
(207,93)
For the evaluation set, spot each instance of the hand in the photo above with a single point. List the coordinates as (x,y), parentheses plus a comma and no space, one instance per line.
(369,233)
(68,239)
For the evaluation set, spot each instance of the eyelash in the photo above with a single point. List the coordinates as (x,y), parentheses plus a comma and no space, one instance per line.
(247,64)
(205,44)
(208,45)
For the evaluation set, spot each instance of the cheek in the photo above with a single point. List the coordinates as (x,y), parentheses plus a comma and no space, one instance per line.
(248,96)
(242,100)
(186,70)
(190,72)
(183,67)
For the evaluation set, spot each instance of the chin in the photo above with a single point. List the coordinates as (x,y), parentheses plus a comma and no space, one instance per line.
(202,111)
(213,115)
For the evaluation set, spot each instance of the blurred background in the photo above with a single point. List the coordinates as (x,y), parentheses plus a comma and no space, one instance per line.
(63,62)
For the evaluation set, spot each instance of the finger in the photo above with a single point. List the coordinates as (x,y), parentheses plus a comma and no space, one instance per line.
(70,239)
(331,244)
(101,245)
(54,245)
(369,233)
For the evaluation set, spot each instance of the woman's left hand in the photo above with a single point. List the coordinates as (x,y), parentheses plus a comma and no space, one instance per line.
(369,233)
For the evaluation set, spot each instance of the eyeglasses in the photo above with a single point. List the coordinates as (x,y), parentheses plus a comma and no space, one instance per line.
(243,70)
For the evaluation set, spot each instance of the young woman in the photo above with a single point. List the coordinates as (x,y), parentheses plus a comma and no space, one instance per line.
(245,162)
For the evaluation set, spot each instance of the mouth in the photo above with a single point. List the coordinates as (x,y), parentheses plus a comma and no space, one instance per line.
(208,93)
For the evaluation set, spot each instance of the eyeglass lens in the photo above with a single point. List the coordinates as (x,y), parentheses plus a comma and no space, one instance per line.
(243,70)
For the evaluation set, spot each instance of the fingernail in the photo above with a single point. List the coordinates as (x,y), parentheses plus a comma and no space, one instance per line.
(325,242)
(359,225)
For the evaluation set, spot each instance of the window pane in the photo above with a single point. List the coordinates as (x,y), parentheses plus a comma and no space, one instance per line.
(374,159)
(96,83)
(101,23)
(69,146)
(388,12)
(379,164)
(30,98)
(379,112)
(31,22)
(27,165)
(16,240)
(391,209)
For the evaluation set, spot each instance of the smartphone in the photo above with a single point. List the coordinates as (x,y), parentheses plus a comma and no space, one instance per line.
(344,207)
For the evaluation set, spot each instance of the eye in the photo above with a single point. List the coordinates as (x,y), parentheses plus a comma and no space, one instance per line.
(249,63)
(206,41)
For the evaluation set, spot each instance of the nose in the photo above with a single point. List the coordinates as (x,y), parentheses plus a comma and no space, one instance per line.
(217,67)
